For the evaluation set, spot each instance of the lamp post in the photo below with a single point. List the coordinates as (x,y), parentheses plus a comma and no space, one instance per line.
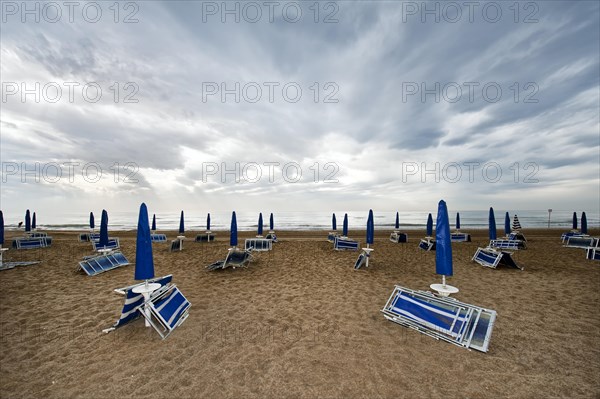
(549,213)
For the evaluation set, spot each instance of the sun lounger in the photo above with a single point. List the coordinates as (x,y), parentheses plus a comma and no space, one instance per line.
(490,257)
(133,301)
(345,244)
(10,265)
(176,245)
(517,235)
(235,258)
(565,236)
(37,234)
(31,242)
(113,243)
(581,242)
(272,237)
(460,237)
(507,244)
(331,236)
(158,237)
(166,309)
(398,237)
(593,253)
(101,263)
(427,244)
(206,237)
(362,259)
(442,318)
(258,244)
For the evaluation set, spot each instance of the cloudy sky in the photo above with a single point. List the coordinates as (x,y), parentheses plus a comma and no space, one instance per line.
(300,105)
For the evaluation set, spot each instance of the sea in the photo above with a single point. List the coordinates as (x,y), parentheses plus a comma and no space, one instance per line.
(307,220)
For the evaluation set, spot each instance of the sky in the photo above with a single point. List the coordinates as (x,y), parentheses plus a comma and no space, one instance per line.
(215,106)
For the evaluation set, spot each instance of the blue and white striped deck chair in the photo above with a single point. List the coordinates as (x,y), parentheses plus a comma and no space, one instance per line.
(168,310)
(258,244)
(442,318)
(332,235)
(398,237)
(158,237)
(593,253)
(10,265)
(427,244)
(572,233)
(581,242)
(361,260)
(517,235)
(113,243)
(460,237)
(133,301)
(345,244)
(205,237)
(37,234)
(507,244)
(272,237)
(31,242)
(235,258)
(102,263)
(492,258)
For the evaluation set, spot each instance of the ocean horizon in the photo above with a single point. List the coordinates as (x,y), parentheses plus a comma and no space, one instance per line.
(304,220)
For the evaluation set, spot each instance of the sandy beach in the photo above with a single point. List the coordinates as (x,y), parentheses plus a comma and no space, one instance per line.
(299,323)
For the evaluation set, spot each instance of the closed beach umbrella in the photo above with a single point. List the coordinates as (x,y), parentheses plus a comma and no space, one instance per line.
(345,226)
(443,250)
(153,222)
(516,224)
(397,225)
(181,226)
(507,223)
(429,225)
(260,224)
(574,220)
(457,221)
(208,222)
(583,223)
(333,223)
(27,220)
(233,238)
(370,228)
(33,222)
(144,264)
(491,225)
(271,222)
(92,224)
(1,228)
(103,242)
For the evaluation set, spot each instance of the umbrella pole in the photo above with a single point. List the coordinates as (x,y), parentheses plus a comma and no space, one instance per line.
(367,255)
(444,280)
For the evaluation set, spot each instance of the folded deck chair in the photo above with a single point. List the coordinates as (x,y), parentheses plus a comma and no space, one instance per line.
(37,234)
(10,265)
(517,235)
(398,237)
(133,301)
(593,253)
(573,233)
(442,318)
(176,245)
(113,243)
(31,242)
(84,237)
(581,242)
(507,244)
(272,237)
(168,309)
(490,257)
(101,263)
(345,244)
(331,236)
(460,237)
(206,237)
(235,258)
(362,259)
(427,244)
(158,237)
(258,244)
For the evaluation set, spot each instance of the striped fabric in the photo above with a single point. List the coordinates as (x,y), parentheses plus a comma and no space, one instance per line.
(515,224)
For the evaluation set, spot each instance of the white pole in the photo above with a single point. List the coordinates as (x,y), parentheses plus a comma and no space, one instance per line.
(444,280)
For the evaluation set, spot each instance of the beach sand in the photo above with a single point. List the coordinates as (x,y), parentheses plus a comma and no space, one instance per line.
(299,323)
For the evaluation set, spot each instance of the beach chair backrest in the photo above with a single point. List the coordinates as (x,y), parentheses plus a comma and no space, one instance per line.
(206,237)
(102,263)
(176,245)
(113,243)
(360,261)
(168,309)
(158,237)
(427,245)
(31,242)
(488,258)
(347,244)
(593,253)
(506,244)
(581,242)
(258,244)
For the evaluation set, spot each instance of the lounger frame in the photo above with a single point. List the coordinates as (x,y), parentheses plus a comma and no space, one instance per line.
(166,294)
(101,263)
(345,244)
(398,237)
(258,244)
